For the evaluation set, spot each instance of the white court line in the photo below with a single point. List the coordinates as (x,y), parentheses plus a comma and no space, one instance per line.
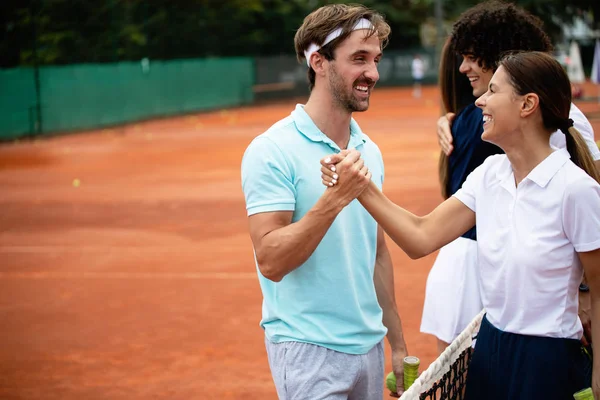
(129,275)
(95,249)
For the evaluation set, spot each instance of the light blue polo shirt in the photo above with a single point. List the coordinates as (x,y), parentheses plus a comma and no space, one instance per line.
(329,300)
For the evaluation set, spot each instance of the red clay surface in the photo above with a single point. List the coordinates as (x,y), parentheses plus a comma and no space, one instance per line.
(139,283)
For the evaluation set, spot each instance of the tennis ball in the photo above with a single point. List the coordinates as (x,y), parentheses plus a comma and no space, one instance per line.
(390,382)
(76,182)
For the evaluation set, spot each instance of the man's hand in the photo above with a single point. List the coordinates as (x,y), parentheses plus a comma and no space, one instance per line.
(398,368)
(345,174)
(585,315)
(444,132)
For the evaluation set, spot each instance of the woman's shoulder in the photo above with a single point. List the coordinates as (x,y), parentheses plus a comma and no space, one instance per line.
(577,182)
(494,169)
(497,163)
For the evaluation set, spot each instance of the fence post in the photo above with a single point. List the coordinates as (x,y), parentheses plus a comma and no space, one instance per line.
(36,71)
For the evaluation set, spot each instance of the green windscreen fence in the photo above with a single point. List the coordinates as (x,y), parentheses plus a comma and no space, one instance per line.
(95,95)
(284,76)
(17,102)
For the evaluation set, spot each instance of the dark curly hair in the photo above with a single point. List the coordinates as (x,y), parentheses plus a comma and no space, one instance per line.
(492,28)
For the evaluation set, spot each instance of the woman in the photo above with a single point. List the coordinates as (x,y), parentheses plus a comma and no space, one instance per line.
(452,296)
(538,223)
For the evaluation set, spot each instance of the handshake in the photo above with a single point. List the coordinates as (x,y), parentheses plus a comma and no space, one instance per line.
(345,174)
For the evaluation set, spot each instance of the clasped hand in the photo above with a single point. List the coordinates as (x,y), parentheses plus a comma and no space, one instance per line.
(346,174)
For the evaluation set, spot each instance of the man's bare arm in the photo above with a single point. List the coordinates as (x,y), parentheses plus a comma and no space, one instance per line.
(384,287)
(282,246)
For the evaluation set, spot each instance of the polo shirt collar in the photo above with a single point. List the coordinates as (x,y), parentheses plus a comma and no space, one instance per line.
(307,127)
(505,175)
(545,171)
(541,175)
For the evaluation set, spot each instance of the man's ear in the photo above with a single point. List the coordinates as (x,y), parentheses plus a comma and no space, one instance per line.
(317,62)
(529,104)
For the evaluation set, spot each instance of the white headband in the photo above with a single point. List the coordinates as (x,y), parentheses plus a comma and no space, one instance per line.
(362,23)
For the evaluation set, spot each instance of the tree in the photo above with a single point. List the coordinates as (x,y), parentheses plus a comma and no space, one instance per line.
(82,31)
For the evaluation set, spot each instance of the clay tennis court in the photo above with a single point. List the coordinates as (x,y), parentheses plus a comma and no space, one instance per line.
(126,269)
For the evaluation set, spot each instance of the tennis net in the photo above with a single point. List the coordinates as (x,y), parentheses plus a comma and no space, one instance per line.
(446,377)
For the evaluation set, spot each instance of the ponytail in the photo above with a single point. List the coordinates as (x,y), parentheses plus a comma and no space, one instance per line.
(580,153)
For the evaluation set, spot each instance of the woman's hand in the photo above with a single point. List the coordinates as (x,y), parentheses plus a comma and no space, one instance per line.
(329,167)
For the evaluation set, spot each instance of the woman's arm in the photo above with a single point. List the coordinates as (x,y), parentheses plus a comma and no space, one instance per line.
(418,236)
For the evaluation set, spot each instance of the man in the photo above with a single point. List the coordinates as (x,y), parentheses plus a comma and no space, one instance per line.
(417,68)
(481,35)
(324,269)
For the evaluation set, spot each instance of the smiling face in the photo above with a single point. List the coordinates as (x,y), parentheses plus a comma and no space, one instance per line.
(477,75)
(352,75)
(501,108)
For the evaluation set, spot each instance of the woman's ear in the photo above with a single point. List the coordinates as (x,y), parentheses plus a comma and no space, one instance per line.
(529,104)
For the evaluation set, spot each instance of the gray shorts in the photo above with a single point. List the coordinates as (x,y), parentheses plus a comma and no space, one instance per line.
(306,371)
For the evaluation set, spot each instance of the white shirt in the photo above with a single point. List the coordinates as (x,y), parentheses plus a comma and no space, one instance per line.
(527,238)
(418,68)
(581,123)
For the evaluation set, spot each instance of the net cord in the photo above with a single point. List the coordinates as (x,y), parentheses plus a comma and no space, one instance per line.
(442,364)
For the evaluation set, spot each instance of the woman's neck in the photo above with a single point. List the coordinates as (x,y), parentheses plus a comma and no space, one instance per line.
(531,149)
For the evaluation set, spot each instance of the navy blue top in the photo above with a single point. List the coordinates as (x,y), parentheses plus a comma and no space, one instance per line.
(469,151)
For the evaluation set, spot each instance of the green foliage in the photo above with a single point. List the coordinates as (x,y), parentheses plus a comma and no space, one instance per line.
(80,31)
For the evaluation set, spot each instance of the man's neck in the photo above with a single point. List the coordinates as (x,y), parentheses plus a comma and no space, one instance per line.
(329,118)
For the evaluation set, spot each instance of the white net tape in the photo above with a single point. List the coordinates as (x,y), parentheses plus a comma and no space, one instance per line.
(442,364)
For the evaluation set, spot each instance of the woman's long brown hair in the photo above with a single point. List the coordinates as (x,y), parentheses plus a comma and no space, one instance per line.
(456,95)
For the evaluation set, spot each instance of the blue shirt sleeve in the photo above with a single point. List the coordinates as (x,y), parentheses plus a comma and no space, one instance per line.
(267,178)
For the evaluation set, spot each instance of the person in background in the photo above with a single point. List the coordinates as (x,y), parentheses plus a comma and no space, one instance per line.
(418,73)
(452,297)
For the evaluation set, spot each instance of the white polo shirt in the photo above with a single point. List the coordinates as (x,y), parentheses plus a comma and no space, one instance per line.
(528,238)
